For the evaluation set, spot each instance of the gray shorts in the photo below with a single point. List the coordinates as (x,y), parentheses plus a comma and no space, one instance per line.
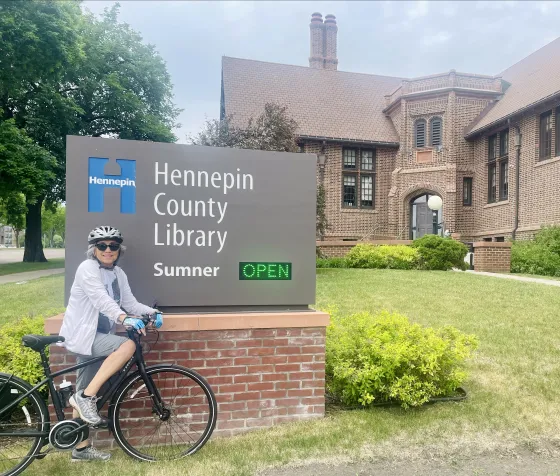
(103,345)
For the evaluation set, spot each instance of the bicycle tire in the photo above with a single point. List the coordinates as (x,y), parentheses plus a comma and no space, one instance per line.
(33,405)
(125,437)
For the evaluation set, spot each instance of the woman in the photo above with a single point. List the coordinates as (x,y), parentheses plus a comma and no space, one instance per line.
(100,297)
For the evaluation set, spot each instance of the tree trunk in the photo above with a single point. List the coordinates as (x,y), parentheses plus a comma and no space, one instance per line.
(33,245)
(16,232)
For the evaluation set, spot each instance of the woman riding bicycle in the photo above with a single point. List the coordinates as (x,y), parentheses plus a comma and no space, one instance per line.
(100,297)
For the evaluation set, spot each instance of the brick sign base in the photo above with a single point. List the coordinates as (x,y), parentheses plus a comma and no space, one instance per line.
(265,368)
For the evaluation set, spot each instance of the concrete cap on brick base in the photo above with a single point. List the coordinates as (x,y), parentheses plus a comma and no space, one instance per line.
(492,244)
(204,322)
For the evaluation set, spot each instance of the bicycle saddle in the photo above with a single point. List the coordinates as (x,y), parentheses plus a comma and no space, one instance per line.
(38,343)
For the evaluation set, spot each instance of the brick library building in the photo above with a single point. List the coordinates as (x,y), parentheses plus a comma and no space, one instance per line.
(487,146)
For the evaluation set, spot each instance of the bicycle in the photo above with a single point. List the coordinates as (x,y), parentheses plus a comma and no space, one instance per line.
(140,404)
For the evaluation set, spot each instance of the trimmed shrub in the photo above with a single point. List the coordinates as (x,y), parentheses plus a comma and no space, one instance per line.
(365,255)
(331,263)
(17,359)
(383,358)
(530,257)
(437,253)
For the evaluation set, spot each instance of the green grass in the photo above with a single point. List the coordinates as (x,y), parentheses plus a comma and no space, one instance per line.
(11,268)
(43,296)
(553,278)
(513,388)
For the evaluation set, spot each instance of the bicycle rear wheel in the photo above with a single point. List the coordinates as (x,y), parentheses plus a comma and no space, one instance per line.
(30,415)
(190,419)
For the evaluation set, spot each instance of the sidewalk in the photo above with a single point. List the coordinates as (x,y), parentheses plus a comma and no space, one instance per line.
(28,275)
(550,282)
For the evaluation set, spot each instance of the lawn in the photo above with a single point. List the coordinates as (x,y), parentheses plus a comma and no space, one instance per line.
(513,385)
(10,268)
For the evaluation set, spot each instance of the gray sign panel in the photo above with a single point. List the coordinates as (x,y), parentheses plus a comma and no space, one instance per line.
(204,227)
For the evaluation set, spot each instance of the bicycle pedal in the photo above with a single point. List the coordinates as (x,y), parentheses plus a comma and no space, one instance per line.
(103,425)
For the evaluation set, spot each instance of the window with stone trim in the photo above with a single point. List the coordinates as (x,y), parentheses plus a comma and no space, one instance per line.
(545,135)
(467,191)
(420,133)
(503,165)
(358,178)
(492,168)
(435,131)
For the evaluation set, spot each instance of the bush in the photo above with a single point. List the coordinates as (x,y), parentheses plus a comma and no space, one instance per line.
(365,255)
(17,359)
(58,242)
(384,358)
(549,237)
(437,253)
(531,257)
(331,263)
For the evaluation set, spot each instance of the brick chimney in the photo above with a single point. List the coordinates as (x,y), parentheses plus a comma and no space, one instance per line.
(317,58)
(331,61)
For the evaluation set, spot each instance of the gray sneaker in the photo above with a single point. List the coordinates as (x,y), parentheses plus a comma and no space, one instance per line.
(89,454)
(86,407)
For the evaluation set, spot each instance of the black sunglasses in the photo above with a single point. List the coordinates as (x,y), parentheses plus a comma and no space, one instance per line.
(103,246)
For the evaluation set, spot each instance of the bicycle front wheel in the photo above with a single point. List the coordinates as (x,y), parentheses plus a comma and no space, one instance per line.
(189,420)
(20,426)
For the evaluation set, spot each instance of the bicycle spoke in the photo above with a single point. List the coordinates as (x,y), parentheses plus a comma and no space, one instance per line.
(188,416)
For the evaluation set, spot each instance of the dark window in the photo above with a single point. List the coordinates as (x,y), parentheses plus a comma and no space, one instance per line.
(557,132)
(545,135)
(503,179)
(420,133)
(349,158)
(358,189)
(504,143)
(500,239)
(467,191)
(492,147)
(435,131)
(349,190)
(492,182)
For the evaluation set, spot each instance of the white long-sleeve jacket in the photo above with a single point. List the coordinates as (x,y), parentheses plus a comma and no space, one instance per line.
(89,297)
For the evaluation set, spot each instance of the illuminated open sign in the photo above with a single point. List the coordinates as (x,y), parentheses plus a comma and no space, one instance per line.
(260,271)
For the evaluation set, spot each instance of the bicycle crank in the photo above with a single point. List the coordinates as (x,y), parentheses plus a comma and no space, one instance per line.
(64,437)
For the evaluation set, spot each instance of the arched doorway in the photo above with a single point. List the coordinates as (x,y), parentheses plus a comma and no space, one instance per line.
(422,219)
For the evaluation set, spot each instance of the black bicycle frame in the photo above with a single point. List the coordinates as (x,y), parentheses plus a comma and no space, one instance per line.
(49,379)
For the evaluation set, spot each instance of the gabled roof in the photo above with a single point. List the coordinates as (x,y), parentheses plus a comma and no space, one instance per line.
(326,104)
(533,79)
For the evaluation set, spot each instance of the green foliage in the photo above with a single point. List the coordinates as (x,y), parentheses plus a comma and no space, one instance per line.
(384,358)
(437,253)
(58,242)
(530,257)
(71,73)
(14,357)
(331,263)
(549,237)
(365,255)
(53,222)
(539,256)
(321,221)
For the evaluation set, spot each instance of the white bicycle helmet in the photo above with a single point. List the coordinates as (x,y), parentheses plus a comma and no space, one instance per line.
(104,233)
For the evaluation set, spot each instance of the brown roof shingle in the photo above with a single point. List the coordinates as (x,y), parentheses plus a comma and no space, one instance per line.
(333,104)
(532,79)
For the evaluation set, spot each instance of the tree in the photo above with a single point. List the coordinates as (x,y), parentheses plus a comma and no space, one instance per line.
(53,221)
(273,130)
(12,213)
(70,73)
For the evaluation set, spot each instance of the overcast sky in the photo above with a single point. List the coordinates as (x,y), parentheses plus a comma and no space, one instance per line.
(405,39)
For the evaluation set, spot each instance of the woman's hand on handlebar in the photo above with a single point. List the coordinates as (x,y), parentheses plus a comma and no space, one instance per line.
(136,323)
